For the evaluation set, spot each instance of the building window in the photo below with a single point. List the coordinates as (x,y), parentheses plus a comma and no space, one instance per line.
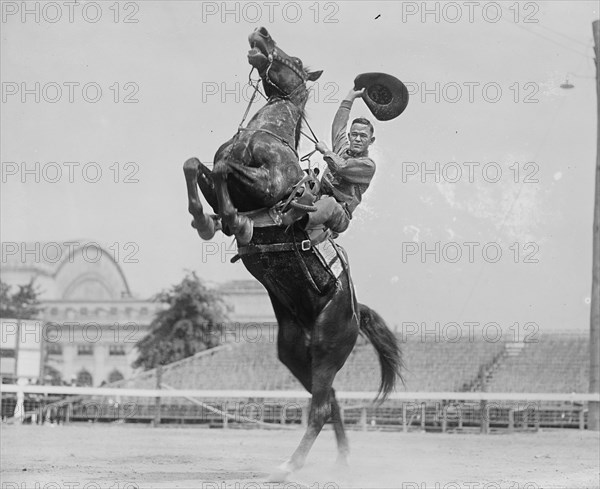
(116,350)
(7,353)
(84,378)
(85,349)
(54,349)
(115,376)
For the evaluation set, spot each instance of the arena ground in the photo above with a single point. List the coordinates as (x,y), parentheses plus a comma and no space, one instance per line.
(129,456)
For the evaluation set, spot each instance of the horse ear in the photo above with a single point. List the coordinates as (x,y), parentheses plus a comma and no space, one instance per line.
(314,75)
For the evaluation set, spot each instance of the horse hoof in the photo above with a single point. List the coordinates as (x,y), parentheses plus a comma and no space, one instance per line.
(281,473)
(190,167)
(341,462)
(206,228)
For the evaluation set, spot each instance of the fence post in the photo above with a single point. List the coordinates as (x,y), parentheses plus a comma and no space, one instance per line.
(68,408)
(511,420)
(225,417)
(404,427)
(363,418)
(304,420)
(423,414)
(444,417)
(536,418)
(262,403)
(156,420)
(581,419)
(485,419)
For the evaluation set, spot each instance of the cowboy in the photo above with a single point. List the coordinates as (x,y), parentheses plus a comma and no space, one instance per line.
(349,170)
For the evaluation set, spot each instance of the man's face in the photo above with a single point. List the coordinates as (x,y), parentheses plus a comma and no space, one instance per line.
(360,138)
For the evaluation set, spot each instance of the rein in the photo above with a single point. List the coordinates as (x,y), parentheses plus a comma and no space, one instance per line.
(240,125)
(272,216)
(240,129)
(272,57)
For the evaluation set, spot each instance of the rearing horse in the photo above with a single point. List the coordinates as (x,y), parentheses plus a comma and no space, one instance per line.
(317,313)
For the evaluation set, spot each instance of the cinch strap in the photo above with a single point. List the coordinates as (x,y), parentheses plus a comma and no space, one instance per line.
(253,249)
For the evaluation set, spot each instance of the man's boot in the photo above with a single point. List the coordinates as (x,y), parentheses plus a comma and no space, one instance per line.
(329,214)
(306,199)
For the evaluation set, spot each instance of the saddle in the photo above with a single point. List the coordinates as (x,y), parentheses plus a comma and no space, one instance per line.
(300,200)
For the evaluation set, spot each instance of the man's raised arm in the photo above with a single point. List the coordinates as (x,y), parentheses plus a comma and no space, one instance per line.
(339,140)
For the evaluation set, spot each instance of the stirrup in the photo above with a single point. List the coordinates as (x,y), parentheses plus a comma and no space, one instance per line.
(299,208)
(300,190)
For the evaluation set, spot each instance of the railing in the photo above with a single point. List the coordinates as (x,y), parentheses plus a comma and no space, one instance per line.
(440,411)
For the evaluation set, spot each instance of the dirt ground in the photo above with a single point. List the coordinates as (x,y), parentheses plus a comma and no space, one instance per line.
(139,456)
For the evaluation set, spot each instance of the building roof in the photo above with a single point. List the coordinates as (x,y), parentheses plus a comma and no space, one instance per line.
(74,269)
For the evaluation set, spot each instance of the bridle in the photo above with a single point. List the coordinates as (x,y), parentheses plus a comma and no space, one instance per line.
(274,56)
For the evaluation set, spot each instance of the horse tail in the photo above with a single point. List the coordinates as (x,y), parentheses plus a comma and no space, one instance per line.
(386,344)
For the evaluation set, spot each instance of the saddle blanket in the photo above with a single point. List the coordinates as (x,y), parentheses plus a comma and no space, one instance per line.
(330,257)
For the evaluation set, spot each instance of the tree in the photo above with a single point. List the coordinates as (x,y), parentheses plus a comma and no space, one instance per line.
(21,304)
(52,376)
(193,322)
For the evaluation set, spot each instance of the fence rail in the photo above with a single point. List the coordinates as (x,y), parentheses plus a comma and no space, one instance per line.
(403,411)
(342,395)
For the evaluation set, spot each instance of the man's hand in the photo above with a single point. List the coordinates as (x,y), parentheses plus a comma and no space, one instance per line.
(353,94)
(321,147)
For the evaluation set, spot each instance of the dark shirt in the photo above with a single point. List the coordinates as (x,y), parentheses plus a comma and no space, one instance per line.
(348,176)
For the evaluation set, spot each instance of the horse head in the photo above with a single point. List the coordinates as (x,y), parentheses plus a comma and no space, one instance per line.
(282,75)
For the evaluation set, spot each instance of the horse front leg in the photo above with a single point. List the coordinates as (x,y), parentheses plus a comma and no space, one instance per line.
(233,223)
(203,223)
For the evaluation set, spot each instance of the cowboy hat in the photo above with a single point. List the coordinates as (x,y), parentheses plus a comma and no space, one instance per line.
(384,94)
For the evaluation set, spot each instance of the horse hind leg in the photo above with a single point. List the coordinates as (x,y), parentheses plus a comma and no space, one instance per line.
(320,411)
(203,223)
(340,432)
(316,369)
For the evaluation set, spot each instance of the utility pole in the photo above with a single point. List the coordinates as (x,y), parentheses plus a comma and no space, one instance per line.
(594,406)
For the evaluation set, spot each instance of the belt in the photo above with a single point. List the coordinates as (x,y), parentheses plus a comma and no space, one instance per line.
(305,245)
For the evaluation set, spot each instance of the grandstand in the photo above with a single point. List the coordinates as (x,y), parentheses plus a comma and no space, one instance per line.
(430,366)
(555,363)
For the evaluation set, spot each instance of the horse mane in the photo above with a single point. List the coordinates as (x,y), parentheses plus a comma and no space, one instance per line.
(301,120)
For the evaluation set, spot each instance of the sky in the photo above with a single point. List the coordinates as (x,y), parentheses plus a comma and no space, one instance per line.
(482,203)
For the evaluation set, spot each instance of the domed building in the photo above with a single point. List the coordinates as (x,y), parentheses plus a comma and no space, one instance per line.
(90,320)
